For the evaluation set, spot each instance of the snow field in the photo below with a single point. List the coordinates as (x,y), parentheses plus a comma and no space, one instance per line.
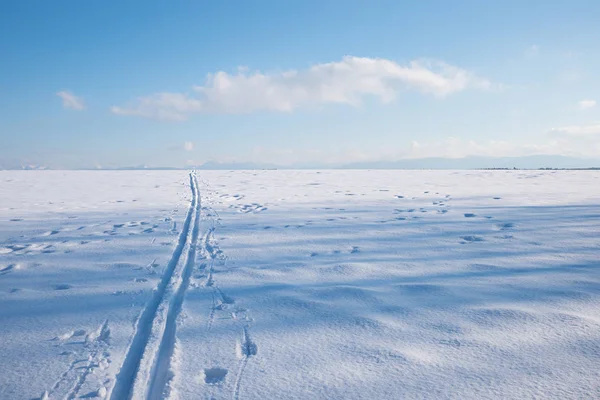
(300,284)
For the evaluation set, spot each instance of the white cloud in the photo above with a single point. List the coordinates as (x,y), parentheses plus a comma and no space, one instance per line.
(343,82)
(577,131)
(188,146)
(585,104)
(70,101)
(167,106)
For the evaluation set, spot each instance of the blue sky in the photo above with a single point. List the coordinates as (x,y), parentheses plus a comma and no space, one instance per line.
(100,83)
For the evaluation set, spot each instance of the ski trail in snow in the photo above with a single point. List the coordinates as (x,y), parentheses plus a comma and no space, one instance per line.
(63,377)
(127,376)
(102,336)
(238,379)
(246,349)
(212,255)
(162,367)
(211,315)
(96,344)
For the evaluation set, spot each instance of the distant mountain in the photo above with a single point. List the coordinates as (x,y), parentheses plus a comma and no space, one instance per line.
(473,162)
(212,165)
(526,162)
(23,167)
(143,167)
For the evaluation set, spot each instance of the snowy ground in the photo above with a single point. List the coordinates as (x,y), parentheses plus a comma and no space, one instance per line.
(300,284)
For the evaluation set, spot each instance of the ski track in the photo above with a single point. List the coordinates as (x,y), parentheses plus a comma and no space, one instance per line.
(127,379)
(247,349)
(238,378)
(147,370)
(162,371)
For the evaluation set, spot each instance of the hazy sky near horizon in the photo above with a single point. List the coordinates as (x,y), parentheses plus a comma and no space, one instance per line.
(99,83)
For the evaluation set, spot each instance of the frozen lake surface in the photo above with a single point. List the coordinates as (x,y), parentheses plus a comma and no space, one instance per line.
(299,284)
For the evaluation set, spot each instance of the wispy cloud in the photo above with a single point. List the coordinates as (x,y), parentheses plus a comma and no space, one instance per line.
(577,131)
(585,104)
(70,101)
(165,106)
(188,146)
(343,82)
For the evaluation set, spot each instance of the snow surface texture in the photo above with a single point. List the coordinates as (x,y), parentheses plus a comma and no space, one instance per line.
(300,284)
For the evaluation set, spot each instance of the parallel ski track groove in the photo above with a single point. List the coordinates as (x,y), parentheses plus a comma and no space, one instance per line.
(238,379)
(127,375)
(161,371)
(247,349)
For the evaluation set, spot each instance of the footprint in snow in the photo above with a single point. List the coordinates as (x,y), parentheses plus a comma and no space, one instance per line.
(9,268)
(62,286)
(471,239)
(504,226)
(69,335)
(505,237)
(214,376)
(49,249)
(96,394)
